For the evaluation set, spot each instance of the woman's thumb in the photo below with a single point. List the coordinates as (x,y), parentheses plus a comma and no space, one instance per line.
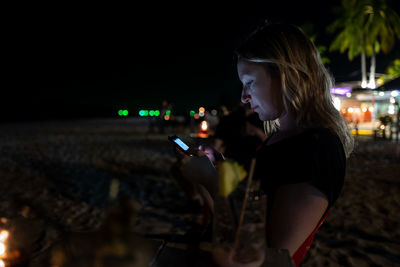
(196,152)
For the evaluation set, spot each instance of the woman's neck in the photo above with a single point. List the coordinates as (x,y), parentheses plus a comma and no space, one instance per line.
(288,123)
(288,128)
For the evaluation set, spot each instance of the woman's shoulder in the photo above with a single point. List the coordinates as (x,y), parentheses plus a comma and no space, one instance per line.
(308,136)
(310,143)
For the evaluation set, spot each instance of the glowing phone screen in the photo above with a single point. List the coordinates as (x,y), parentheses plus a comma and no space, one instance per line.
(181,144)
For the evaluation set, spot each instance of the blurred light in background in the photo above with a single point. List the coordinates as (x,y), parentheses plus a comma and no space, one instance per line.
(391,109)
(3,235)
(123,112)
(192,113)
(204,126)
(152,113)
(340,90)
(336,102)
(2,249)
(394,93)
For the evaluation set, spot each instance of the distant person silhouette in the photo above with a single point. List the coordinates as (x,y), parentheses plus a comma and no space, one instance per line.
(239,134)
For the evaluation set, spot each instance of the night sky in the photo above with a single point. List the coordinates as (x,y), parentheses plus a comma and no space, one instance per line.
(89,61)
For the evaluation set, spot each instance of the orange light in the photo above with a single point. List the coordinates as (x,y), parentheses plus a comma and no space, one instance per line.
(196,116)
(202,110)
(3,235)
(166,117)
(204,126)
(2,250)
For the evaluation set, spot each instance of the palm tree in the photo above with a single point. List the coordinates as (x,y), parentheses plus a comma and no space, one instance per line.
(392,72)
(382,27)
(367,27)
(351,37)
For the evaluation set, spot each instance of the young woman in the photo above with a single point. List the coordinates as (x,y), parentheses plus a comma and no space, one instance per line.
(301,165)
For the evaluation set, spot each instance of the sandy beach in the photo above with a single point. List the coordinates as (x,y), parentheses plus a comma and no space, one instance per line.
(55,179)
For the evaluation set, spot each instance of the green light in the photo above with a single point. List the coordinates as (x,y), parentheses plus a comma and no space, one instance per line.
(168,113)
(125,112)
(157,113)
(146,113)
(120,112)
(192,112)
(151,113)
(141,113)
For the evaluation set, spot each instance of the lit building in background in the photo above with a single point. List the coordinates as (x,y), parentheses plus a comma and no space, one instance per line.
(365,105)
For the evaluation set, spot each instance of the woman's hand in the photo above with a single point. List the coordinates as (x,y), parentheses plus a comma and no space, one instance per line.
(198,169)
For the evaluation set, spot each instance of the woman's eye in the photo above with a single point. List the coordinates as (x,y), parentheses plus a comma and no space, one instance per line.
(249,83)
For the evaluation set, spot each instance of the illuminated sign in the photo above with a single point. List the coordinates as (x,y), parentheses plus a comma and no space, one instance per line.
(340,90)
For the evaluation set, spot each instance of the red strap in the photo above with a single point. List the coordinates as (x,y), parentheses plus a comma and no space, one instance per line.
(298,256)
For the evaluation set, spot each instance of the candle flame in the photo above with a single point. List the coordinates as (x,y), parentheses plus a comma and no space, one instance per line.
(204,126)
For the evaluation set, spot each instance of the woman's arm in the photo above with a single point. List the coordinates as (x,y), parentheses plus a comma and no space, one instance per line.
(296,211)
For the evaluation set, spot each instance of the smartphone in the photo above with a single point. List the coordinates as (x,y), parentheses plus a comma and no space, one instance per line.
(180,144)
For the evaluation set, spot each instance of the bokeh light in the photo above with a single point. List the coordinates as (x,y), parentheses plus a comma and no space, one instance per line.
(3,235)
(2,249)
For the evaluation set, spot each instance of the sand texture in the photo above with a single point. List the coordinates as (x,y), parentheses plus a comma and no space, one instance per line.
(55,181)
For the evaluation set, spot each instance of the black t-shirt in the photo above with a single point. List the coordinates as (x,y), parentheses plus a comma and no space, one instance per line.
(315,155)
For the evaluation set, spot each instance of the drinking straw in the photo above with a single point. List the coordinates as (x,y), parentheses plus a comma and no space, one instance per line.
(244,203)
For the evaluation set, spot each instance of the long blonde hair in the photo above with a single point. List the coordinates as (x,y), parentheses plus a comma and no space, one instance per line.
(305,81)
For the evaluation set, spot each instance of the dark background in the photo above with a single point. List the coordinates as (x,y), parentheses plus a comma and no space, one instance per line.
(69,61)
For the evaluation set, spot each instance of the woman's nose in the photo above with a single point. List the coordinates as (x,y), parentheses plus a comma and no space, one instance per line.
(245,98)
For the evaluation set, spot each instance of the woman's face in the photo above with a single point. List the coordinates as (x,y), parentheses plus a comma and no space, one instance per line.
(261,90)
